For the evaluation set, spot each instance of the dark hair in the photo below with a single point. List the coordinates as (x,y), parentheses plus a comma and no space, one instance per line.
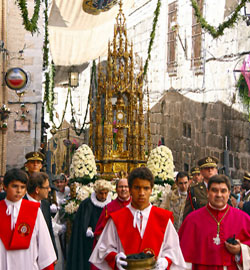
(181,175)
(219,178)
(60,176)
(36,179)
(15,174)
(142,173)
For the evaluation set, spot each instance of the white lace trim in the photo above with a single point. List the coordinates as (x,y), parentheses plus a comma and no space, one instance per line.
(98,203)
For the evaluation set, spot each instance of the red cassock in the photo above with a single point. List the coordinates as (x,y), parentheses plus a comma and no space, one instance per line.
(198,232)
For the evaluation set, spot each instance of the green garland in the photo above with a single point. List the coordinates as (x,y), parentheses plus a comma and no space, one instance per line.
(152,37)
(29,25)
(92,80)
(46,38)
(219,31)
(49,90)
(243,92)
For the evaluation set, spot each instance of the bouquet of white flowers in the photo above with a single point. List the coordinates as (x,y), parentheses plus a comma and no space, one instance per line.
(158,193)
(161,164)
(83,165)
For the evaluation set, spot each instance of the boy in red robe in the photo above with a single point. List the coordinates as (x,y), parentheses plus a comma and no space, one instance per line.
(207,234)
(139,227)
(25,242)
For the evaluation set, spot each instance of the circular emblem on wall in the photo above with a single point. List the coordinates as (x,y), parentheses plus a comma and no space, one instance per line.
(23,229)
(16,78)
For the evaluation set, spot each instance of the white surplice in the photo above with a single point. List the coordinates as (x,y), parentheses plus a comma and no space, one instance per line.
(40,253)
(109,242)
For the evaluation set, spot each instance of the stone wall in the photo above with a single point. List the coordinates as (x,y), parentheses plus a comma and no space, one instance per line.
(193,130)
(30,60)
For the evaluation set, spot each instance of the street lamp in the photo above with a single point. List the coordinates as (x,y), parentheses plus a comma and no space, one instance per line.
(247,13)
(73,78)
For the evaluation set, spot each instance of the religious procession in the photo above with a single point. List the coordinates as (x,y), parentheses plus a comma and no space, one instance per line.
(124,130)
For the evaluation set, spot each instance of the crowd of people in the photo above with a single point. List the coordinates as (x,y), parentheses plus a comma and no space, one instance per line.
(203,223)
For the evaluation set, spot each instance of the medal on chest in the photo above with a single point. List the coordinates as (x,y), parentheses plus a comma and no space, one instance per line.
(217,238)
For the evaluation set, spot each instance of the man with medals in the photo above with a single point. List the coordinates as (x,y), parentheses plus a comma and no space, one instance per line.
(25,242)
(139,227)
(216,236)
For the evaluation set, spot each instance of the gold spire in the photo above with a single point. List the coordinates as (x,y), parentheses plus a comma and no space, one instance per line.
(119,136)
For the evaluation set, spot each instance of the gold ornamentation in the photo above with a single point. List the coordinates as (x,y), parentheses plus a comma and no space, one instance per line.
(209,160)
(217,238)
(23,229)
(117,134)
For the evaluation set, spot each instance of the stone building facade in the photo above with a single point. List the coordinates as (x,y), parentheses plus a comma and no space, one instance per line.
(195,106)
(193,130)
(25,51)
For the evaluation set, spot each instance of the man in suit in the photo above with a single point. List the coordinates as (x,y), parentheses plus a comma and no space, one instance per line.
(197,194)
(38,189)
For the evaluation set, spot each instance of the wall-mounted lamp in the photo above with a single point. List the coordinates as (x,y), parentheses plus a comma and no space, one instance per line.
(73,78)
(247,13)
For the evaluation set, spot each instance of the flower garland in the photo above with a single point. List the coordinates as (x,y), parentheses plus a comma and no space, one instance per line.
(219,31)
(29,25)
(152,37)
(161,164)
(243,92)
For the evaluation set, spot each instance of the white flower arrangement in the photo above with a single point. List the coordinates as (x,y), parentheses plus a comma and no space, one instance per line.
(71,207)
(83,163)
(161,163)
(158,193)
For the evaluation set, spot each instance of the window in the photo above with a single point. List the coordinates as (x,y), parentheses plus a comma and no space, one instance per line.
(172,33)
(187,130)
(196,40)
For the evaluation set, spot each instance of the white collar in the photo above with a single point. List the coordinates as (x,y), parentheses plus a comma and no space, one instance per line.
(145,212)
(13,211)
(16,204)
(98,203)
(140,218)
(182,193)
(219,209)
(31,198)
(120,199)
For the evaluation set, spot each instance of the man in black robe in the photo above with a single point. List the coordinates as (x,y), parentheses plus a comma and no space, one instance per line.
(82,236)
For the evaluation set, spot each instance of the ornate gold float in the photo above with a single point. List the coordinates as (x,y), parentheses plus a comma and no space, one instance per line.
(117,129)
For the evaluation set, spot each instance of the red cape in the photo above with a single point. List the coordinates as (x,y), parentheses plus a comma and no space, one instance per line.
(113,206)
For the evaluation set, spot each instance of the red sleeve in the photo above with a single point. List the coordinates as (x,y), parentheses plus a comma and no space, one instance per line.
(50,267)
(169,262)
(110,259)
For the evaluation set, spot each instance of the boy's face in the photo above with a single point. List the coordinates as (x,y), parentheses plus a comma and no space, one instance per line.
(140,193)
(15,190)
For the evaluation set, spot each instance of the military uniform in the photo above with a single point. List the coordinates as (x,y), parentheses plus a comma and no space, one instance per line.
(35,156)
(197,193)
(197,198)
